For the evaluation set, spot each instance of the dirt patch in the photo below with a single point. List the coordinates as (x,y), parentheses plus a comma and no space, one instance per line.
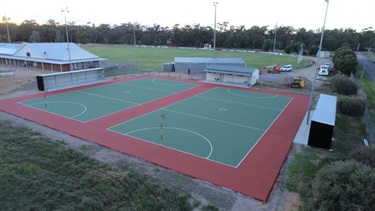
(19,78)
(204,192)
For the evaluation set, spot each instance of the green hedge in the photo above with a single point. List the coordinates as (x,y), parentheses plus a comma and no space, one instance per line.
(342,185)
(352,106)
(343,85)
(365,155)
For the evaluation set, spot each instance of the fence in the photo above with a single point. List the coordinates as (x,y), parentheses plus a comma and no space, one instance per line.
(115,74)
(370,128)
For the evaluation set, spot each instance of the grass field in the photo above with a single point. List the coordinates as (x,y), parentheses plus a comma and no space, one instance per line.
(40,174)
(153,58)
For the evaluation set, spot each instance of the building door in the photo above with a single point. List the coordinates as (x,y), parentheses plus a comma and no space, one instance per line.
(221,77)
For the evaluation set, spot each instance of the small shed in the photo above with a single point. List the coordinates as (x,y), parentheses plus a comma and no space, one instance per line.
(168,67)
(199,64)
(232,75)
(325,54)
(323,122)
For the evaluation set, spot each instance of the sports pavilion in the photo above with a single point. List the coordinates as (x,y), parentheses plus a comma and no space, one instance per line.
(48,56)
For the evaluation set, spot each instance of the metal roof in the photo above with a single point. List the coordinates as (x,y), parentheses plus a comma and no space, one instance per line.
(55,53)
(227,69)
(9,49)
(325,111)
(208,60)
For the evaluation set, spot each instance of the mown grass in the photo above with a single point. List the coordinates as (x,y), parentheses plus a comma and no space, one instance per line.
(39,174)
(369,88)
(152,58)
(348,136)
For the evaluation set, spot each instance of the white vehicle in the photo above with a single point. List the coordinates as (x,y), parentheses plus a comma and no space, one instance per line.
(324,70)
(286,68)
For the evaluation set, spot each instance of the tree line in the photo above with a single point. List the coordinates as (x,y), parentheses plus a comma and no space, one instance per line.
(288,38)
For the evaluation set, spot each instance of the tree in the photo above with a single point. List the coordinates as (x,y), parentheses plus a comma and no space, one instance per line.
(34,37)
(345,60)
(25,30)
(59,37)
(313,50)
(342,185)
(267,45)
(229,36)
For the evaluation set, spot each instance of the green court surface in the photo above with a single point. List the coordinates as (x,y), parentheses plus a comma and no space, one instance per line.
(221,125)
(89,104)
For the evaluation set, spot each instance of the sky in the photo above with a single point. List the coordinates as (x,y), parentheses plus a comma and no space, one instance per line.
(358,14)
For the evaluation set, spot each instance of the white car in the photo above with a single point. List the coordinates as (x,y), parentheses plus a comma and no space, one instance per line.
(286,68)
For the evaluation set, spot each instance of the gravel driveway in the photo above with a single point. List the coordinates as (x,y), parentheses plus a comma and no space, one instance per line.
(308,73)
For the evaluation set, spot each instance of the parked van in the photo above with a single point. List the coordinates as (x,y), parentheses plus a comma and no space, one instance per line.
(324,70)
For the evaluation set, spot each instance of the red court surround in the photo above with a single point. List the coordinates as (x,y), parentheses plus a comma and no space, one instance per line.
(255,176)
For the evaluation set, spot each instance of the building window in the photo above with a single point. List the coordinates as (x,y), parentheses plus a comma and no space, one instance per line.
(28,54)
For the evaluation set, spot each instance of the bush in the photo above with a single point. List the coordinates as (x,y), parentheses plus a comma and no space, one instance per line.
(342,185)
(345,60)
(343,85)
(352,106)
(364,155)
(313,50)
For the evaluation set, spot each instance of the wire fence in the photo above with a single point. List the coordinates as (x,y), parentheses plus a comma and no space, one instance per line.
(370,128)
(124,73)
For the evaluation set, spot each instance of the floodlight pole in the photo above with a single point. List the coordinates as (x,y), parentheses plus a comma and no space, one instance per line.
(215,5)
(135,43)
(274,40)
(6,19)
(316,66)
(65,10)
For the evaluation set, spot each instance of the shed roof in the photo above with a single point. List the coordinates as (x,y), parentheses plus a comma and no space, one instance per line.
(208,60)
(55,53)
(9,49)
(227,69)
(325,111)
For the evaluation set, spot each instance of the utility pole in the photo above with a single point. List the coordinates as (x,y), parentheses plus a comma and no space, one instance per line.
(274,40)
(135,42)
(65,10)
(316,67)
(215,5)
(6,20)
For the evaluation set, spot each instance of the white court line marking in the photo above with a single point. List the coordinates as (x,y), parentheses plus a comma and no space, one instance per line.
(175,128)
(143,87)
(155,80)
(111,98)
(233,102)
(228,90)
(264,133)
(59,102)
(217,120)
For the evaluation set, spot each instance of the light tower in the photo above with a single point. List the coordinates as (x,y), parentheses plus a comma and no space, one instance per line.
(65,11)
(317,64)
(215,5)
